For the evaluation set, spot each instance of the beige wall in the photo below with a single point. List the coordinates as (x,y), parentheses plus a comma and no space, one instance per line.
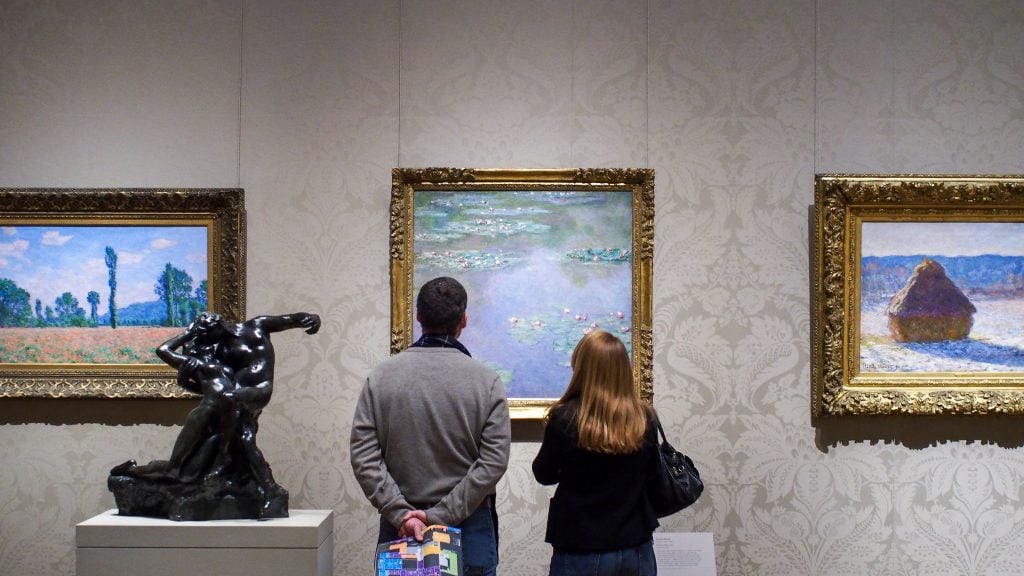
(736,104)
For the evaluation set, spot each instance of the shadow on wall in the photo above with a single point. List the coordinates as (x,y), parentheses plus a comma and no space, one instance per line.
(58,411)
(527,430)
(164,412)
(920,431)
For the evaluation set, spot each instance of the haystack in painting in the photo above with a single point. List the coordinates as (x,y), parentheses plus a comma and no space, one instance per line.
(930,308)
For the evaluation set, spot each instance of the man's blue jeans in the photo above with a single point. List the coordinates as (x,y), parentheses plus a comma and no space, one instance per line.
(635,561)
(479,541)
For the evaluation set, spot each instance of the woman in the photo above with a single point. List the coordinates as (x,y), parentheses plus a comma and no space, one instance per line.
(600,445)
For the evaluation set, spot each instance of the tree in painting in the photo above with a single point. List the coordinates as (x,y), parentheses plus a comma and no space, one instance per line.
(174,287)
(15,307)
(68,311)
(111,260)
(93,298)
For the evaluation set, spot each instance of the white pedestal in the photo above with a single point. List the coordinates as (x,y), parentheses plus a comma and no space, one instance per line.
(112,545)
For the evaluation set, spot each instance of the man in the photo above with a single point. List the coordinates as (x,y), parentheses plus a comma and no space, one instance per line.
(431,433)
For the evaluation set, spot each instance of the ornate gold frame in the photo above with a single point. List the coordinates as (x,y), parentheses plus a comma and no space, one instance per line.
(638,182)
(841,204)
(220,210)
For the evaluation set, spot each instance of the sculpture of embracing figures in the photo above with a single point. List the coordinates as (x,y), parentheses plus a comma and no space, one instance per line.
(216,470)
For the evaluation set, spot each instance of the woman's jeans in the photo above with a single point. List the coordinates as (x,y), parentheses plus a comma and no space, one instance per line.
(635,561)
(479,541)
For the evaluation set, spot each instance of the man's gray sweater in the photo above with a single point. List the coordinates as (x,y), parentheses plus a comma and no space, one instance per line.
(431,429)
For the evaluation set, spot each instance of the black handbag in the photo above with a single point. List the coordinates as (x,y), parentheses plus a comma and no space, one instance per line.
(675,482)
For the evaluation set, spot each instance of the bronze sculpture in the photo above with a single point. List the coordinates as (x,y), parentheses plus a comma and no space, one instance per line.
(216,470)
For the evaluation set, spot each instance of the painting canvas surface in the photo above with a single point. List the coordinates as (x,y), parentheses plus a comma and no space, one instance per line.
(541,268)
(56,288)
(985,260)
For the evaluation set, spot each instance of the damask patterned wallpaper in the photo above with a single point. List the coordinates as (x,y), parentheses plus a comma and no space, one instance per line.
(308,104)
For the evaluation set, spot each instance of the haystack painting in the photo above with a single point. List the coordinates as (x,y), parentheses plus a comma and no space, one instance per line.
(942,297)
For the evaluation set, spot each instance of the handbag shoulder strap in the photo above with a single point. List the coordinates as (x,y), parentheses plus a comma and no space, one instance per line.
(660,429)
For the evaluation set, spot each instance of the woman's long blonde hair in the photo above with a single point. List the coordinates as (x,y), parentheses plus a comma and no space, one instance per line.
(612,418)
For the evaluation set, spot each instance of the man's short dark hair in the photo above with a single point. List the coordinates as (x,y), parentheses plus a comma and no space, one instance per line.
(440,305)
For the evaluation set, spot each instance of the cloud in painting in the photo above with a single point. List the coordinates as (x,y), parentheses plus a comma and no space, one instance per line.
(125,258)
(53,238)
(162,243)
(15,249)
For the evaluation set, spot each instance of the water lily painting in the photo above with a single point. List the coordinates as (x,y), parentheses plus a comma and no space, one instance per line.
(546,257)
(92,281)
(918,295)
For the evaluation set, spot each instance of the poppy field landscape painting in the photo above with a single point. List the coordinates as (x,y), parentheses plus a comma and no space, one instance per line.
(98,294)
(545,257)
(92,281)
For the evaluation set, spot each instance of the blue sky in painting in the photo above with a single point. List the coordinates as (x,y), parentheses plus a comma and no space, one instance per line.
(942,238)
(47,261)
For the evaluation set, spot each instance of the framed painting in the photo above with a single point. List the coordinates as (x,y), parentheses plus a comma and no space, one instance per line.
(918,295)
(545,255)
(92,281)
